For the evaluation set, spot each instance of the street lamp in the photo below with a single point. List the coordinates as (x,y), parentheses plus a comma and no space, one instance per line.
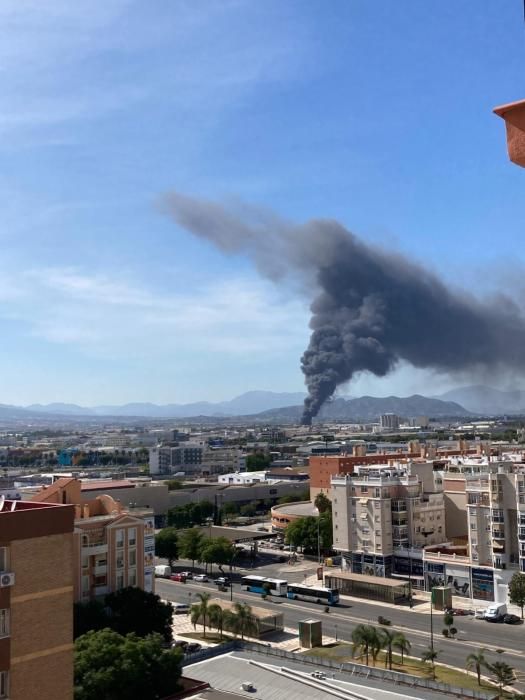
(425,534)
(318,534)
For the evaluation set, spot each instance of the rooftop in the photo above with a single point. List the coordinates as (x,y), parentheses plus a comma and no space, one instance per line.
(302,509)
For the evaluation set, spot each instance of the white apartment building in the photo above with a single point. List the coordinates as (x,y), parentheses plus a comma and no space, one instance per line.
(381,510)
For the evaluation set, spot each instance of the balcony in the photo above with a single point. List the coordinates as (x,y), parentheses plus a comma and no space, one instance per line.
(498,534)
(521,533)
(91,549)
(100,570)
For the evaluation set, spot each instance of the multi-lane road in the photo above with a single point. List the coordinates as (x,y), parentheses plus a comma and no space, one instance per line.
(341,620)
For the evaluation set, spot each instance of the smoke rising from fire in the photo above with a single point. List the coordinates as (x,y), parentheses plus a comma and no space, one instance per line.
(371,307)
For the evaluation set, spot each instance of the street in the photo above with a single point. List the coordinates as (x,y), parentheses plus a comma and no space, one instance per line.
(341,620)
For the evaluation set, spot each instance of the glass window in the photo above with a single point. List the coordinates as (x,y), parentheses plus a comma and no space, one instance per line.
(132,577)
(85,584)
(120,561)
(3,558)
(120,538)
(132,557)
(120,581)
(4,684)
(132,536)
(4,623)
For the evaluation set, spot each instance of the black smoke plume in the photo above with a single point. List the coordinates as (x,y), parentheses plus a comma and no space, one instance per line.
(371,307)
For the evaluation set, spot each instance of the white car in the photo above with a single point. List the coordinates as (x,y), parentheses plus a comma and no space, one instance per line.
(181,608)
(201,578)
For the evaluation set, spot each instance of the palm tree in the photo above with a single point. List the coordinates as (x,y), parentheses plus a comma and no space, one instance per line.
(199,611)
(243,619)
(402,644)
(364,641)
(475,662)
(430,655)
(503,674)
(216,618)
(387,639)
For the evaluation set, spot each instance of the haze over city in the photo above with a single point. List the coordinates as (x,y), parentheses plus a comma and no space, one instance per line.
(288,108)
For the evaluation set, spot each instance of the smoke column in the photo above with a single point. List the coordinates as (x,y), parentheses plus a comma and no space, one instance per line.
(371,307)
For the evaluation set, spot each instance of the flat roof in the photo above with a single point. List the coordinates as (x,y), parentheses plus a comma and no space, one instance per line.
(362,578)
(234,534)
(302,509)
(105,484)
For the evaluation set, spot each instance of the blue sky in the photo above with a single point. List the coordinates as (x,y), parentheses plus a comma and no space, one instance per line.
(374,112)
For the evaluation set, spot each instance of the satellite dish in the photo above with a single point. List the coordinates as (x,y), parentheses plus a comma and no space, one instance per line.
(2,501)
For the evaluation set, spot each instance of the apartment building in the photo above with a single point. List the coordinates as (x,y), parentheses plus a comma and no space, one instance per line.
(36,600)
(381,510)
(196,458)
(113,547)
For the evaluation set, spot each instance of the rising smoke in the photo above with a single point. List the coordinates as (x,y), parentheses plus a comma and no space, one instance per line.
(371,307)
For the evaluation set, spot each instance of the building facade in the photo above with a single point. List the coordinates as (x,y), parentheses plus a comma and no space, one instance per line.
(113,547)
(381,510)
(36,600)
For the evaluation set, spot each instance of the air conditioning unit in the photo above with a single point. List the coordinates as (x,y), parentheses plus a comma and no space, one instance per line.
(7,580)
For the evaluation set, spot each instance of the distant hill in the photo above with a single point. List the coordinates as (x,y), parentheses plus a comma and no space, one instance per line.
(247,404)
(369,408)
(487,400)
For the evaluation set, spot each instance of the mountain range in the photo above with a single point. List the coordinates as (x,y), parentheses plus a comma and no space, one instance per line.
(287,407)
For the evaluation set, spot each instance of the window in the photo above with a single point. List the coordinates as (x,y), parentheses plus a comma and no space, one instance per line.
(377,493)
(4,623)
(132,557)
(85,584)
(120,561)
(364,489)
(119,539)
(120,581)
(377,518)
(132,536)
(3,558)
(85,562)
(132,577)
(4,684)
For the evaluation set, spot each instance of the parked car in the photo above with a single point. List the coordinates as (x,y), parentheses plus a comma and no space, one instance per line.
(181,608)
(188,574)
(202,578)
(180,644)
(222,581)
(192,648)
(512,619)
(178,577)
(480,614)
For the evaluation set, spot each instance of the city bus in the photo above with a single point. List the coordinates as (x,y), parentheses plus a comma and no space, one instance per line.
(316,594)
(260,584)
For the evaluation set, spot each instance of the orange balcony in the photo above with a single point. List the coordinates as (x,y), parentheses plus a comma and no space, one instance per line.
(514,116)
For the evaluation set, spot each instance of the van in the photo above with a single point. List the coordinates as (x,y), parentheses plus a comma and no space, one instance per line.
(162,571)
(496,612)
(180,608)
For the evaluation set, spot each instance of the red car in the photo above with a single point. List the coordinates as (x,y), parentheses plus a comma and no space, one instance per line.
(178,577)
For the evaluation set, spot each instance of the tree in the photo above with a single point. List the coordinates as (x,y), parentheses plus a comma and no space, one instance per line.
(230,509)
(475,662)
(216,618)
(402,644)
(322,503)
(166,545)
(517,590)
(217,550)
(430,655)
(134,610)
(257,462)
(248,510)
(448,621)
(387,639)
(111,666)
(503,674)
(190,545)
(242,619)
(174,485)
(88,616)
(199,611)
(364,641)
(287,499)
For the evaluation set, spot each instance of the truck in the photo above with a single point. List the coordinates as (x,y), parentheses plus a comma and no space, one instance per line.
(162,571)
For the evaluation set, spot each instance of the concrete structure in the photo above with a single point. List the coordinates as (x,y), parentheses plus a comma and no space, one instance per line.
(36,601)
(196,458)
(389,421)
(113,548)
(381,508)
(283,515)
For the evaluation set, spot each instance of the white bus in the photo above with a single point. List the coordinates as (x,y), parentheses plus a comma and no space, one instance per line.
(316,594)
(260,584)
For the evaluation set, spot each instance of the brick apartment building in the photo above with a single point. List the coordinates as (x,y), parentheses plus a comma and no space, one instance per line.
(36,601)
(112,547)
